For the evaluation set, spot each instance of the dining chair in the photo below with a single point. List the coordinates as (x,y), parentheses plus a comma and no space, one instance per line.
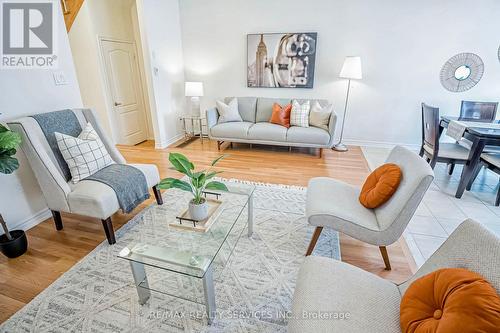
(435,151)
(492,162)
(478,111)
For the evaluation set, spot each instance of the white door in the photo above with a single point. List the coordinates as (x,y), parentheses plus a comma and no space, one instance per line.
(122,74)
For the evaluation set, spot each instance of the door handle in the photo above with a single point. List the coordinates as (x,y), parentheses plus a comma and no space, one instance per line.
(117,104)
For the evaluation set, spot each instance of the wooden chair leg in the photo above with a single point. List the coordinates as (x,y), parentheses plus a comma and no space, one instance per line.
(57,219)
(451,168)
(320,152)
(158,197)
(385,256)
(231,145)
(108,229)
(474,176)
(314,239)
(433,162)
(218,145)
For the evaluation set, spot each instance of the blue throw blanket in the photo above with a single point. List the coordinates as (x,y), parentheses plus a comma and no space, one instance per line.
(129,184)
(64,122)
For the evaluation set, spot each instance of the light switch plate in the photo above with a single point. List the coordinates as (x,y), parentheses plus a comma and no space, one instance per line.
(59,78)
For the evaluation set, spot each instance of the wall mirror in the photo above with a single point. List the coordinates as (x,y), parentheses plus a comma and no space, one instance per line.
(462,72)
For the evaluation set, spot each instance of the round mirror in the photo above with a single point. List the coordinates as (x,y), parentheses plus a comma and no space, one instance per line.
(462,73)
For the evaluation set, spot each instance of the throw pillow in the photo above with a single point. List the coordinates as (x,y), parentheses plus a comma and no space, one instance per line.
(85,155)
(228,112)
(320,116)
(380,185)
(299,115)
(450,300)
(281,115)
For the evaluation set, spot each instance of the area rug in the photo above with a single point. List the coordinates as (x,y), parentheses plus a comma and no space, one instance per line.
(253,291)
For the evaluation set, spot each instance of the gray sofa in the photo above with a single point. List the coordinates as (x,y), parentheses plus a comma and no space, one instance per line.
(256,128)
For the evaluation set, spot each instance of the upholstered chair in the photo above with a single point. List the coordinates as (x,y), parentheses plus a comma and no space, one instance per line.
(335,204)
(88,198)
(373,303)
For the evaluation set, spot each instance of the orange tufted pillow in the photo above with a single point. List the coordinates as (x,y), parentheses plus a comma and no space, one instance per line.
(281,115)
(450,300)
(380,185)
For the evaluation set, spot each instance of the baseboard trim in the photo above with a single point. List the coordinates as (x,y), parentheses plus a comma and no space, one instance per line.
(381,144)
(164,144)
(33,220)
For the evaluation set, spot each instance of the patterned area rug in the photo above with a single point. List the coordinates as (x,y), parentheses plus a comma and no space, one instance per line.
(253,291)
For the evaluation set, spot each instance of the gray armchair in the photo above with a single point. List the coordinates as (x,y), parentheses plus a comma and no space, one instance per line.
(334,204)
(372,303)
(88,198)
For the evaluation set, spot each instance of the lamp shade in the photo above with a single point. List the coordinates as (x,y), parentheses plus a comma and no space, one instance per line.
(194,89)
(351,68)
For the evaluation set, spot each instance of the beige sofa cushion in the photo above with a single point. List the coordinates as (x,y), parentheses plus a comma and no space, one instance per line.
(267,132)
(233,130)
(311,135)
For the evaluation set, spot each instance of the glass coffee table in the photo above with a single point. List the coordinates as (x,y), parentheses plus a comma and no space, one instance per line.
(186,252)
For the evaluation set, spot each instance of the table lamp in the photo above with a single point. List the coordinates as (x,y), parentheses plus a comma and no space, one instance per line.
(195,91)
(351,70)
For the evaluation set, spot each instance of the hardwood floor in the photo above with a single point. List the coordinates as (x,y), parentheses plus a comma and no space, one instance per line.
(51,252)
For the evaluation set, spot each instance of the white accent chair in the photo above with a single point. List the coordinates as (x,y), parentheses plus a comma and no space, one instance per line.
(335,204)
(88,198)
(325,285)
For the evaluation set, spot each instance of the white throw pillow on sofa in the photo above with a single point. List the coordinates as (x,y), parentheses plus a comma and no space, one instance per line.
(320,116)
(300,113)
(228,112)
(85,155)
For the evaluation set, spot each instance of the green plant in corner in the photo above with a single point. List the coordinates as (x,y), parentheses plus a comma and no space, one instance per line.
(198,181)
(9,141)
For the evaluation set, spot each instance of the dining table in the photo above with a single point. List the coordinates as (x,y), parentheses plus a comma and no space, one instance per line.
(481,135)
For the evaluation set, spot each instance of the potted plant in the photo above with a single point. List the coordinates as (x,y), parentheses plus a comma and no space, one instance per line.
(12,243)
(197,184)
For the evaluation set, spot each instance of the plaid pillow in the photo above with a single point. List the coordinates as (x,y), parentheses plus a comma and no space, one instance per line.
(85,155)
(300,113)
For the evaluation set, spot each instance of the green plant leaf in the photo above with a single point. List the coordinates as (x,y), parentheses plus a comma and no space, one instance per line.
(215,185)
(169,183)
(8,152)
(8,164)
(9,140)
(214,162)
(3,128)
(181,163)
(212,174)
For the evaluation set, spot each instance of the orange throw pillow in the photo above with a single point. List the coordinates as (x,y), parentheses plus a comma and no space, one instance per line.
(281,115)
(380,185)
(450,300)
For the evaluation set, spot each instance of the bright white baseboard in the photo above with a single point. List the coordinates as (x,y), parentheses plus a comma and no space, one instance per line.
(32,221)
(380,144)
(166,143)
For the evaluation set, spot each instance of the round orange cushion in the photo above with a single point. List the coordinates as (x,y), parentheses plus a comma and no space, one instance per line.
(380,185)
(450,300)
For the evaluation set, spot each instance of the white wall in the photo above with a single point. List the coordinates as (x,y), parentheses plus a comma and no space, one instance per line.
(403,45)
(25,92)
(160,27)
(100,18)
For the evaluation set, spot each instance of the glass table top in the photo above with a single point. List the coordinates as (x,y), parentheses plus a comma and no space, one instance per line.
(156,243)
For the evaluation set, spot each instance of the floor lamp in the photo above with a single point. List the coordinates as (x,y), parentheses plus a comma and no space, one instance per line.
(350,70)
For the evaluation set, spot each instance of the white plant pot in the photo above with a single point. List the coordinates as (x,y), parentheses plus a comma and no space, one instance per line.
(198,211)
